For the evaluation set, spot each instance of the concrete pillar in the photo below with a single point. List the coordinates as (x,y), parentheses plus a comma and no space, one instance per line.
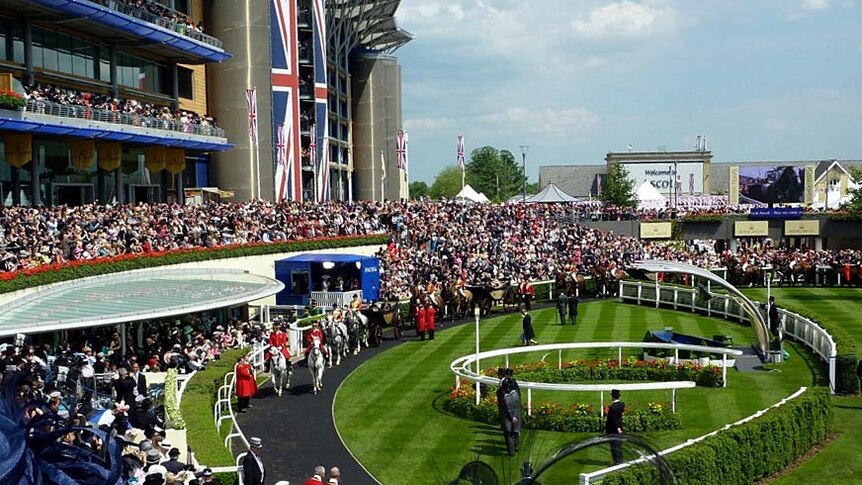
(35,184)
(118,186)
(175,85)
(112,70)
(16,185)
(818,243)
(181,196)
(100,186)
(163,192)
(28,51)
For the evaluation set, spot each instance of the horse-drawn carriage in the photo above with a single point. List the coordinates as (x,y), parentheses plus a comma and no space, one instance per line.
(383,314)
(486,296)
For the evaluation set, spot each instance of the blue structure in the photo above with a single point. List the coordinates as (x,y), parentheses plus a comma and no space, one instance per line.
(307,273)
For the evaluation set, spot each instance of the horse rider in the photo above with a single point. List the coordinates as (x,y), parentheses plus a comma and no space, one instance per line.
(431,288)
(337,313)
(461,284)
(356,304)
(315,332)
(278,341)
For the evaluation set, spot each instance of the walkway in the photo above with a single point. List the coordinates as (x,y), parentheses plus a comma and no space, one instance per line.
(297,428)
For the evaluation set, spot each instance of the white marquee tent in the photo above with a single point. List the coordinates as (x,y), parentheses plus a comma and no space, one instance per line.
(469,194)
(649,197)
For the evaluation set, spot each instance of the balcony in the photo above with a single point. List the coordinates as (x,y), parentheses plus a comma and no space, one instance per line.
(48,118)
(121,22)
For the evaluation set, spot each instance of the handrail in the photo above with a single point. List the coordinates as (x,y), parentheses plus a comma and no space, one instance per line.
(166,23)
(50,108)
(813,336)
(588,478)
(223,409)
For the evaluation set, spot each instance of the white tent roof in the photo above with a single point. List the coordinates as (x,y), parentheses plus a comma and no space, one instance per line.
(469,193)
(483,198)
(551,194)
(647,192)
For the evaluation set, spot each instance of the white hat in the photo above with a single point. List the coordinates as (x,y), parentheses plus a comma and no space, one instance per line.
(140,398)
(255,441)
(55,395)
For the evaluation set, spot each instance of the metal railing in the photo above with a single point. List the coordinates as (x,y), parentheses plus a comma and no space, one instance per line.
(796,326)
(598,475)
(164,22)
(223,409)
(50,108)
(326,299)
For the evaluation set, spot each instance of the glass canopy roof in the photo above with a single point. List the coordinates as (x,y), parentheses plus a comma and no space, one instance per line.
(131,296)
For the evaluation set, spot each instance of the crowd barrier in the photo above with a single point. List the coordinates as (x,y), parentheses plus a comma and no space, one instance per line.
(797,327)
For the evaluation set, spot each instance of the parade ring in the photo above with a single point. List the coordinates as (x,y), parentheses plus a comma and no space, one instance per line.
(468,367)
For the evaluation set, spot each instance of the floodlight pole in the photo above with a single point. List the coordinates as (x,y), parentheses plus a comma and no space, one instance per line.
(524,149)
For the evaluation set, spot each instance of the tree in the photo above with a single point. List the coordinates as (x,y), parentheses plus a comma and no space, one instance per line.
(855,202)
(446,184)
(495,173)
(619,189)
(418,189)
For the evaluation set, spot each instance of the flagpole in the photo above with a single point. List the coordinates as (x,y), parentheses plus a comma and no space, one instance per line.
(382,176)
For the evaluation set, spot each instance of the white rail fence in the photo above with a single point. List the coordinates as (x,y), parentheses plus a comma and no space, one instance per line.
(597,476)
(799,328)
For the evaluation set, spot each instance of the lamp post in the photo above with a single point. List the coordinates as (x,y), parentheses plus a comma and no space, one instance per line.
(477,311)
(524,149)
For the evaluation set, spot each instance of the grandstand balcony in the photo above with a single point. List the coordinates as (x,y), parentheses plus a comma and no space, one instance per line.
(48,118)
(113,19)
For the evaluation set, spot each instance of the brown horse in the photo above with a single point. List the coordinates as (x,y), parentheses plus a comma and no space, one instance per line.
(456,300)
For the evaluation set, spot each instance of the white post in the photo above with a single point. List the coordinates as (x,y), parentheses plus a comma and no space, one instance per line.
(724,370)
(620,355)
(560,359)
(476,312)
(673,400)
(529,401)
(601,404)
(676,357)
(507,361)
(656,291)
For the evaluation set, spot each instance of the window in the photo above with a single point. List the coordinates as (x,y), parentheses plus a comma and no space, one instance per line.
(185,83)
(183,6)
(18,43)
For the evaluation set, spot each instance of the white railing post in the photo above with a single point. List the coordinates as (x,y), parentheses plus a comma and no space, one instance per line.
(529,401)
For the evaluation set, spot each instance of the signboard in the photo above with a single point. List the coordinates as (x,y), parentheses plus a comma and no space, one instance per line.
(779,184)
(776,213)
(809,184)
(801,228)
(733,183)
(750,228)
(665,175)
(655,230)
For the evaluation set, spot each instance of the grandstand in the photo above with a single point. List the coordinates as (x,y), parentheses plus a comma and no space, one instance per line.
(108,101)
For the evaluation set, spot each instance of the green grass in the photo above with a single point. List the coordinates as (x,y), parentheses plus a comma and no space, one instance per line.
(389,412)
(835,308)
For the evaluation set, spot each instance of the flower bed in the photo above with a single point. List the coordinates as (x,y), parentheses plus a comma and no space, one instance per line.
(577,418)
(12,100)
(630,369)
(172,409)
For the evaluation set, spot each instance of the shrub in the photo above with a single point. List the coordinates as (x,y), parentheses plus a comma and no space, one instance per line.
(749,452)
(577,418)
(172,411)
(12,100)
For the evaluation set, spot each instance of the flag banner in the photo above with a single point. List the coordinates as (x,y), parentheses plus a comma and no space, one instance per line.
(382,167)
(251,99)
(312,150)
(285,99)
(460,151)
(401,150)
(321,103)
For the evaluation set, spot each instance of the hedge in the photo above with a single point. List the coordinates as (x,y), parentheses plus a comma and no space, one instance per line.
(577,418)
(197,412)
(749,452)
(172,411)
(55,273)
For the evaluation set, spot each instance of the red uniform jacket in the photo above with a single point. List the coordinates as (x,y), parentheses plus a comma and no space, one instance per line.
(421,318)
(431,317)
(245,383)
(279,339)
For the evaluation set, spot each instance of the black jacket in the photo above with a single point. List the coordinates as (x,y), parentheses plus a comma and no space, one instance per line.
(615,417)
(251,472)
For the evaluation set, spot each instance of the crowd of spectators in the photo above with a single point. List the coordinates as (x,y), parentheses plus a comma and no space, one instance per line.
(62,386)
(98,106)
(30,237)
(440,241)
(183,23)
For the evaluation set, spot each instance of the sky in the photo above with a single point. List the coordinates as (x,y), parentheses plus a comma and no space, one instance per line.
(575,79)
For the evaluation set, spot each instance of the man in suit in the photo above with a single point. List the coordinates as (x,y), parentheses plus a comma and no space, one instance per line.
(562,303)
(253,472)
(124,387)
(529,335)
(174,465)
(614,426)
(509,409)
(573,308)
(140,380)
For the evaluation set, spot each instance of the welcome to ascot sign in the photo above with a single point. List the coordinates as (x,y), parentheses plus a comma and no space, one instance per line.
(662,175)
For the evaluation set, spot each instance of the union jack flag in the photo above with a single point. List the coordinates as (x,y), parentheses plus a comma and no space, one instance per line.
(251,98)
(285,99)
(320,136)
(401,149)
(461,151)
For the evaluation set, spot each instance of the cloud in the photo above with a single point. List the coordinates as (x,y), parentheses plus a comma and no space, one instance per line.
(627,20)
(429,124)
(548,122)
(813,5)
